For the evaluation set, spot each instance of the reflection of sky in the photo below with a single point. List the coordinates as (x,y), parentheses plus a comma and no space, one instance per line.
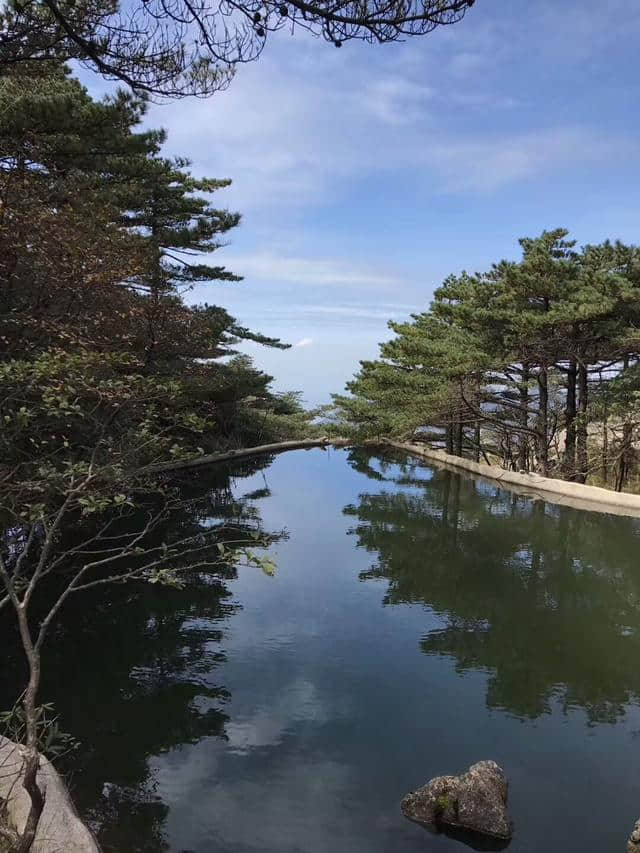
(335,713)
(367,174)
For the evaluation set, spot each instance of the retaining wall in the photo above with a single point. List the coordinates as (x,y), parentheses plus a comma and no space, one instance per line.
(550,489)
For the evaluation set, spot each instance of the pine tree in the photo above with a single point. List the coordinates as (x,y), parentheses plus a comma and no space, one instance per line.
(65,161)
(522,352)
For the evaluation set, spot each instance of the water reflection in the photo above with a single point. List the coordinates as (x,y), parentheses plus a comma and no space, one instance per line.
(143,677)
(291,714)
(544,598)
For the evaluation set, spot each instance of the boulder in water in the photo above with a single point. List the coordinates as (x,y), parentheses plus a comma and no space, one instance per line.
(633,844)
(475,801)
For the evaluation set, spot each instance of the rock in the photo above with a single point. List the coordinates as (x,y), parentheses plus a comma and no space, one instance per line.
(633,844)
(476,801)
(59,828)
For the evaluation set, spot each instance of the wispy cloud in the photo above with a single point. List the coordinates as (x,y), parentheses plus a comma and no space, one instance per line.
(358,312)
(397,100)
(303,342)
(484,165)
(307,271)
(467,63)
(365,175)
(292,133)
(486,100)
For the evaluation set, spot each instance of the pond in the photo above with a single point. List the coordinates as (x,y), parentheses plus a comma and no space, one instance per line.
(418,621)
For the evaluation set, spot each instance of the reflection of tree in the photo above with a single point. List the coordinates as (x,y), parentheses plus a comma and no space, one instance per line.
(132,671)
(380,468)
(547,599)
(141,681)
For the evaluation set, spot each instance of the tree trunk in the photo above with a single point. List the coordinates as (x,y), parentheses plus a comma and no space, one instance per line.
(155,286)
(32,755)
(605,443)
(276,447)
(582,453)
(476,441)
(524,421)
(29,783)
(624,459)
(509,462)
(449,438)
(570,423)
(458,437)
(18,243)
(543,419)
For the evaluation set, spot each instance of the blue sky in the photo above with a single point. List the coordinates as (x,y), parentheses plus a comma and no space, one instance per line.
(366,174)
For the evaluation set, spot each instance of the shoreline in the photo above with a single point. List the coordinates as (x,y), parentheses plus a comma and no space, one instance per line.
(549,489)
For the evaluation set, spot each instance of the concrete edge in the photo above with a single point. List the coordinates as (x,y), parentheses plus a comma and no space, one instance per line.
(576,495)
(60,829)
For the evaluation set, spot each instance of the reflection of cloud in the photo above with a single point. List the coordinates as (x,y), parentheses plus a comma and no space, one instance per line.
(303,342)
(257,785)
(287,801)
(298,702)
(292,816)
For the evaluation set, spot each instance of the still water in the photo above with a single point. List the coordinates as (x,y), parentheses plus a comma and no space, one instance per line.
(419,621)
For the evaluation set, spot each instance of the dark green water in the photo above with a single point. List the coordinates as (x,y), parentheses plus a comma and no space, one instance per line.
(419,621)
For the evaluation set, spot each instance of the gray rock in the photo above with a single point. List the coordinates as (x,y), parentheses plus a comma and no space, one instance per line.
(60,829)
(633,844)
(476,801)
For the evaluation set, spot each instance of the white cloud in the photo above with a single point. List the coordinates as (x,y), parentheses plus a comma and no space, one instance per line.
(383,311)
(484,100)
(467,63)
(303,342)
(307,271)
(300,125)
(293,139)
(484,165)
(397,100)
(366,174)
